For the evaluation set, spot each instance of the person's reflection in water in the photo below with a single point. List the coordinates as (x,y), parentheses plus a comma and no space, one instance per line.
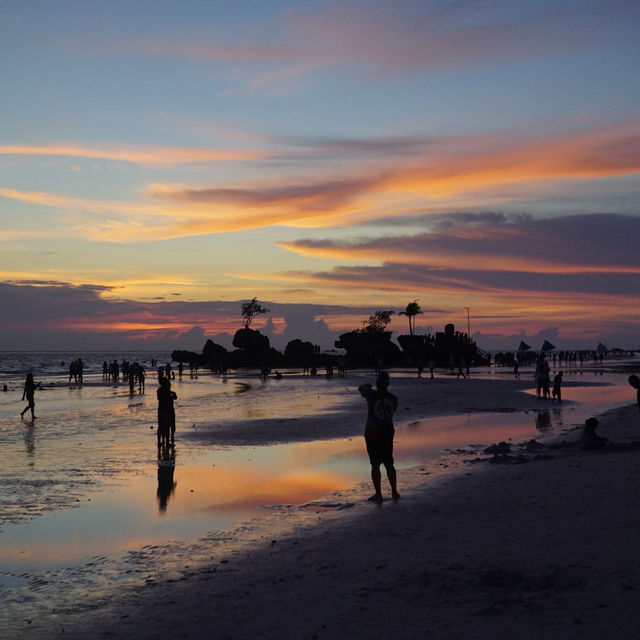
(557,418)
(166,483)
(30,442)
(543,420)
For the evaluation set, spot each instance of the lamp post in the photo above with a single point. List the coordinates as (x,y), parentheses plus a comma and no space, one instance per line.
(468,323)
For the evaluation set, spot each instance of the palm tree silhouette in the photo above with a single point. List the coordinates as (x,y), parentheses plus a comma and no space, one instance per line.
(411,311)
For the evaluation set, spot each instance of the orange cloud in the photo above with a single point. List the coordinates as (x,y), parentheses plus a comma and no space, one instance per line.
(148,155)
(461,170)
(457,172)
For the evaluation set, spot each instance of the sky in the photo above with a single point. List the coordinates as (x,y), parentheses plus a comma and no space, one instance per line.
(161,162)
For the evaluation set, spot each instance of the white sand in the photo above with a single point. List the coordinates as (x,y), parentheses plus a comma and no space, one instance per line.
(542,549)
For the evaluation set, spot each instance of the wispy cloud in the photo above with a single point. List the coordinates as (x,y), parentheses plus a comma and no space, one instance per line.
(579,244)
(148,156)
(463,168)
(449,173)
(447,34)
(391,37)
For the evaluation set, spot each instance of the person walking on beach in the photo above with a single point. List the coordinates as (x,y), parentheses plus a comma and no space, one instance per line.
(28,393)
(379,432)
(166,413)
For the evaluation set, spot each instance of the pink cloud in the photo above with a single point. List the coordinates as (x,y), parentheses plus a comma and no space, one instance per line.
(412,34)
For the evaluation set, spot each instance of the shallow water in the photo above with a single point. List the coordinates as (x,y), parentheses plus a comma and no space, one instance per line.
(84,501)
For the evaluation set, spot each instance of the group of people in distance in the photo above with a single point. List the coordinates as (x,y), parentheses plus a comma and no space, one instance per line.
(132,372)
(76,371)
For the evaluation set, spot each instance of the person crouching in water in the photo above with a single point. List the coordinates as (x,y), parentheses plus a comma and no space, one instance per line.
(166,413)
(379,432)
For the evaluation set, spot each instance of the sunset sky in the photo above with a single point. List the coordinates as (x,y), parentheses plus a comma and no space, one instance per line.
(162,161)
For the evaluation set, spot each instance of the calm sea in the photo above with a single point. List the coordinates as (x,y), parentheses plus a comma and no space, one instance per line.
(53,366)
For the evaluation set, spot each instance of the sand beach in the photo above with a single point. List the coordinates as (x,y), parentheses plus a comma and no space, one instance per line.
(536,542)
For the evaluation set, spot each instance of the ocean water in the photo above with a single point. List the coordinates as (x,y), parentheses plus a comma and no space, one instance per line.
(85,502)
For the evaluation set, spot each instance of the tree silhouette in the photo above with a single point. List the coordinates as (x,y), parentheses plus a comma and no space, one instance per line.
(411,311)
(251,309)
(378,322)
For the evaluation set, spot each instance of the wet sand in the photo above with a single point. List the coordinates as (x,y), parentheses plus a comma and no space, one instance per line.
(542,542)
(419,398)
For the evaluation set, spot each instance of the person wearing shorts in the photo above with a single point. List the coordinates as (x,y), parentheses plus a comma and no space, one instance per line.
(379,432)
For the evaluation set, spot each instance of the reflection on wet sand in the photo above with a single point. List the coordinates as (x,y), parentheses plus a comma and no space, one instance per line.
(30,441)
(166,482)
(543,420)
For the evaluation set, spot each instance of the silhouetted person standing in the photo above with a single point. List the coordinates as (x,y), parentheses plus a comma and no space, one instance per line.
(557,386)
(166,413)
(542,377)
(379,432)
(28,393)
(141,376)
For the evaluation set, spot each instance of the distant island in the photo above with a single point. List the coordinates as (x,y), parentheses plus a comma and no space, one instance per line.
(370,346)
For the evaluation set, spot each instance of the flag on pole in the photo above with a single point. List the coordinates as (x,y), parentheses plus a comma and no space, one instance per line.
(547,346)
(523,346)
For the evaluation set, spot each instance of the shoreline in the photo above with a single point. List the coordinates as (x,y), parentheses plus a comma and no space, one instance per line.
(453,558)
(420,398)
